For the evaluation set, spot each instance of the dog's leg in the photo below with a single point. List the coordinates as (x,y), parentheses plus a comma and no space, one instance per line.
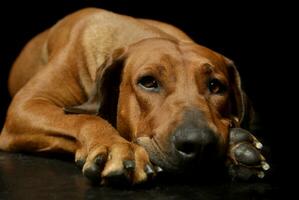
(37,125)
(244,155)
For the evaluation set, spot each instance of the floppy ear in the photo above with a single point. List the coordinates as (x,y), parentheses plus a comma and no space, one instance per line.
(104,96)
(241,109)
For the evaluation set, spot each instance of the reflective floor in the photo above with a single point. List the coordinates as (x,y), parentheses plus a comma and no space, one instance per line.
(33,177)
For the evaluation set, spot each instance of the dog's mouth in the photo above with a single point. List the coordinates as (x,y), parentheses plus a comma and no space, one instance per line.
(171,162)
(157,156)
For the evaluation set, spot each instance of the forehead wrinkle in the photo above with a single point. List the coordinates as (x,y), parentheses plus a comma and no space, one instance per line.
(164,71)
(169,60)
(202,56)
(207,68)
(155,68)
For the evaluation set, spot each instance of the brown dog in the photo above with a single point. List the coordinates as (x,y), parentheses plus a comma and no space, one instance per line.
(128,97)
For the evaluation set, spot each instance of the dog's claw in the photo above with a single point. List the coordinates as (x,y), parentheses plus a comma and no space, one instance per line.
(80,163)
(116,178)
(261,174)
(158,169)
(245,159)
(119,164)
(149,170)
(129,165)
(258,145)
(265,166)
(92,169)
(120,176)
(100,160)
(92,172)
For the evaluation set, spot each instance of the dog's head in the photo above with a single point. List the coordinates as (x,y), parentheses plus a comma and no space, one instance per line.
(177,100)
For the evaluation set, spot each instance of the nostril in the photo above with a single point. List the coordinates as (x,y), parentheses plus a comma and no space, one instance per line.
(186,147)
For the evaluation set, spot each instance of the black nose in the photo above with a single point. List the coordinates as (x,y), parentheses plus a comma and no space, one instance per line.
(192,142)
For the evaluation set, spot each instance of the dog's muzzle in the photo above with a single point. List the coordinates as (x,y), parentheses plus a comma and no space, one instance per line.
(191,144)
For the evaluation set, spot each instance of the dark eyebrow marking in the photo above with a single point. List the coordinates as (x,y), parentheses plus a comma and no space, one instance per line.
(155,69)
(161,69)
(207,68)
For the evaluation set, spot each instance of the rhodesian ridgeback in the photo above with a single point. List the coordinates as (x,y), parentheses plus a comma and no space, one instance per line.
(129,98)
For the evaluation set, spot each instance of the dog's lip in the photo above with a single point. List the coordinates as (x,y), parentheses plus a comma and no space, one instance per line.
(157,156)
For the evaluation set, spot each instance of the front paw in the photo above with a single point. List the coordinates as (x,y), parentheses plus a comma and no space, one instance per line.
(118,164)
(244,156)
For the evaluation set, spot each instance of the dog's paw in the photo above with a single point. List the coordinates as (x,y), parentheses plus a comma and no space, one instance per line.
(244,156)
(119,164)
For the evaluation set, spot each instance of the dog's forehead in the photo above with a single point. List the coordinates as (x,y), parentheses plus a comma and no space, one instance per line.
(171,52)
(153,49)
(202,56)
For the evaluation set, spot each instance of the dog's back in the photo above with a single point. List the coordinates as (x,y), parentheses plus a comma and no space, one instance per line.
(38,52)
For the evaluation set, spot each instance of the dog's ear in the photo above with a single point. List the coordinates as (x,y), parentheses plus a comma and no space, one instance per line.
(104,95)
(242,112)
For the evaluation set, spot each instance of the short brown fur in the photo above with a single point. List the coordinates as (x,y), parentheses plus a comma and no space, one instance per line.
(64,69)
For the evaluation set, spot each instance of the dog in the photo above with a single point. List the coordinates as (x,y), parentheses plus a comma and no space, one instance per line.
(128,98)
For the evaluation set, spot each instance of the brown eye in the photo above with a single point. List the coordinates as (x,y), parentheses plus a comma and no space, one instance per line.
(149,83)
(216,87)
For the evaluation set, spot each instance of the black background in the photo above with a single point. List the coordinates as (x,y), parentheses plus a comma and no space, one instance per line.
(256,36)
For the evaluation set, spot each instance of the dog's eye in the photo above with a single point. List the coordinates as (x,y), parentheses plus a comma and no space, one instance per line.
(216,87)
(149,83)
